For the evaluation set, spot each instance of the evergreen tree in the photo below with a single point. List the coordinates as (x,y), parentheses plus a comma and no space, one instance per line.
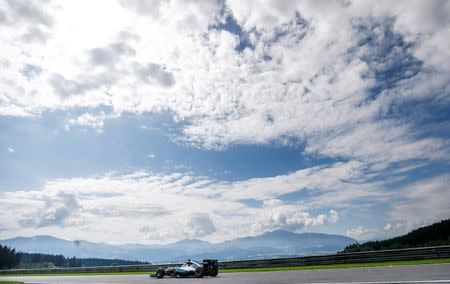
(9,258)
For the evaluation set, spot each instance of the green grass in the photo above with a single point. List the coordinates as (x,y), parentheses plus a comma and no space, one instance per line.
(10,282)
(78,274)
(306,267)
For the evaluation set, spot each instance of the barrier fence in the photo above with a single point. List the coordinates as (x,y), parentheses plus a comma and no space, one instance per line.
(339,258)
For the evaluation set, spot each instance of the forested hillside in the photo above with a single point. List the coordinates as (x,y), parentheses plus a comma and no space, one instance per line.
(434,235)
(39,260)
(10,258)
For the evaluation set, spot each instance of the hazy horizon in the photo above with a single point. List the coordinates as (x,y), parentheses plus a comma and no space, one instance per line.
(165,243)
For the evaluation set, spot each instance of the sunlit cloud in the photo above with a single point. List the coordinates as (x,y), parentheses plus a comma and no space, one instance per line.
(360,88)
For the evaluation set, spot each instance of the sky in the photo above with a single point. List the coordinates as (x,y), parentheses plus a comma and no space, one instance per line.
(155,121)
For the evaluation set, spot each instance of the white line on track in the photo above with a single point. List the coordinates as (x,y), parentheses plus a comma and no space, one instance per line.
(386,282)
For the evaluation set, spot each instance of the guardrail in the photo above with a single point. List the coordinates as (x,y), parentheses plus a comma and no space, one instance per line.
(339,258)
(342,258)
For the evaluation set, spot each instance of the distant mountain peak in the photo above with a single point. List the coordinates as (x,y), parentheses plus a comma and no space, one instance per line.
(45,237)
(37,238)
(279,233)
(287,234)
(277,243)
(191,241)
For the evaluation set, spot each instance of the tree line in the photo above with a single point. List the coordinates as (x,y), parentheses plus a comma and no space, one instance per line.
(10,258)
(437,234)
(38,260)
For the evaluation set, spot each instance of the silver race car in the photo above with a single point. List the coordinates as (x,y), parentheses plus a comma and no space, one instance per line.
(209,267)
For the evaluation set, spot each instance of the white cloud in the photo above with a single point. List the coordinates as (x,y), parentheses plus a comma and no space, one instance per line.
(421,203)
(195,206)
(184,16)
(200,207)
(11,150)
(56,211)
(25,12)
(199,225)
(380,143)
(334,216)
(272,202)
(154,73)
(301,80)
(361,233)
(110,55)
(95,122)
(290,218)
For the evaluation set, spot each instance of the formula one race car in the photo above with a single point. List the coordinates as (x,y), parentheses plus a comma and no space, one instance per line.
(209,267)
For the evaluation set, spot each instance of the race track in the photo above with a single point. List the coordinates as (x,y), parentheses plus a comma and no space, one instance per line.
(432,273)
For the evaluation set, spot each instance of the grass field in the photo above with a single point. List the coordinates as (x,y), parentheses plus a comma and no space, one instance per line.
(10,282)
(306,267)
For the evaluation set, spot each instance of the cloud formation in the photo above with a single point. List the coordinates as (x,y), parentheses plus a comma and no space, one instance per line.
(55,212)
(353,83)
(198,207)
(154,73)
(199,225)
(296,80)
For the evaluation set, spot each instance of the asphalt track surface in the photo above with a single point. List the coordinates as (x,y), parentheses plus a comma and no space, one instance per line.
(431,273)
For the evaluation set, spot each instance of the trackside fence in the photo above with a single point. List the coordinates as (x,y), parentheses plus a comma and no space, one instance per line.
(339,258)
(343,258)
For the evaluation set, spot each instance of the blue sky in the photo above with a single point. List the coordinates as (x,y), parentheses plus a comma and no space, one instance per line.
(225,119)
(44,149)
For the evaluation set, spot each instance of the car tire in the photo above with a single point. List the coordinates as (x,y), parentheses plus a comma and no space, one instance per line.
(213,272)
(160,273)
(198,272)
(172,274)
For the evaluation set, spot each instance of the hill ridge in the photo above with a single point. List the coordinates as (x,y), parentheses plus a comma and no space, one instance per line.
(268,244)
(432,235)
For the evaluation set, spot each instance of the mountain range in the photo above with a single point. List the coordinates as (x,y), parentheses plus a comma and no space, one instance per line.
(270,244)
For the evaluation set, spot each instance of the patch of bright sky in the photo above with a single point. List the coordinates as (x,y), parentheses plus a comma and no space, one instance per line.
(232,26)
(46,150)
